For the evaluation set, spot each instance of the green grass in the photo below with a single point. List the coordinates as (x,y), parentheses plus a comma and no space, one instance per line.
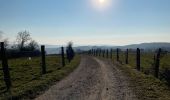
(143,83)
(145,86)
(27,80)
(147,60)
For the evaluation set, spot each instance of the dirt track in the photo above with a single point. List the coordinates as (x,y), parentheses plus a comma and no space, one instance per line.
(94,79)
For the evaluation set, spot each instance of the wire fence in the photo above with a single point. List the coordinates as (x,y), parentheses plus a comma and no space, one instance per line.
(154,63)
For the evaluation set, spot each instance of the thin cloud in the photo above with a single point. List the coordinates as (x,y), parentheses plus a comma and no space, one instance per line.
(1,32)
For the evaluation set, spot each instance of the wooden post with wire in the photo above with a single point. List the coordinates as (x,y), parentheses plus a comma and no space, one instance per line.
(138,59)
(5,67)
(117,51)
(157,63)
(43,62)
(107,53)
(126,59)
(111,51)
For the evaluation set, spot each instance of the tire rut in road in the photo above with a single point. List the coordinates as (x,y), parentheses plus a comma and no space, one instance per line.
(116,85)
(94,79)
(82,84)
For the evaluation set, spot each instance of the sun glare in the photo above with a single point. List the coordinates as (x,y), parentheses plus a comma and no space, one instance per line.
(101,1)
(102,4)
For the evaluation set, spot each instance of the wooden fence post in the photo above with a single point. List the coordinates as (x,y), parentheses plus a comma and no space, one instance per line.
(107,53)
(5,68)
(96,52)
(127,53)
(43,59)
(62,56)
(88,52)
(91,52)
(117,51)
(99,52)
(154,60)
(111,53)
(138,59)
(157,63)
(103,53)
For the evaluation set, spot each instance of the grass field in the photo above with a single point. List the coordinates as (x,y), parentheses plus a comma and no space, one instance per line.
(147,62)
(145,86)
(143,82)
(26,77)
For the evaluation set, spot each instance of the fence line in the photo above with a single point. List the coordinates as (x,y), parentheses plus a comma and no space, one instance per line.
(105,54)
(5,67)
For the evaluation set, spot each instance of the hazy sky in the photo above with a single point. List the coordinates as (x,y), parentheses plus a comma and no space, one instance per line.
(87,22)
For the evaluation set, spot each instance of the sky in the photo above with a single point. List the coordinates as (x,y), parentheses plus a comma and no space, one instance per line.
(87,22)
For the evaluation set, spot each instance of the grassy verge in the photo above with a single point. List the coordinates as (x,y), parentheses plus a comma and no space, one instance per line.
(146,87)
(147,64)
(28,82)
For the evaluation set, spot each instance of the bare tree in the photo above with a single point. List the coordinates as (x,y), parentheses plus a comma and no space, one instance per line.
(5,40)
(22,38)
(33,45)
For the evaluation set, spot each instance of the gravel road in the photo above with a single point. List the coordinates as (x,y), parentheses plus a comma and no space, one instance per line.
(94,79)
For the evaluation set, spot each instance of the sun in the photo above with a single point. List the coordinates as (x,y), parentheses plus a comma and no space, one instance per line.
(102,1)
(103,5)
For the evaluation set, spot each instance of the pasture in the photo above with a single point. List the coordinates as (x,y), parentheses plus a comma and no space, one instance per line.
(27,79)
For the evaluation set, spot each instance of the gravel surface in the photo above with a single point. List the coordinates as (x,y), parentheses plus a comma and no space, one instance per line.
(94,79)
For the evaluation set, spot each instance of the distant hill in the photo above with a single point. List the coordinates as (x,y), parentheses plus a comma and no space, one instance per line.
(148,45)
(55,49)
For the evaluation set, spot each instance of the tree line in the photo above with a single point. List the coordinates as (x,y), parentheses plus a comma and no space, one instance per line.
(24,45)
